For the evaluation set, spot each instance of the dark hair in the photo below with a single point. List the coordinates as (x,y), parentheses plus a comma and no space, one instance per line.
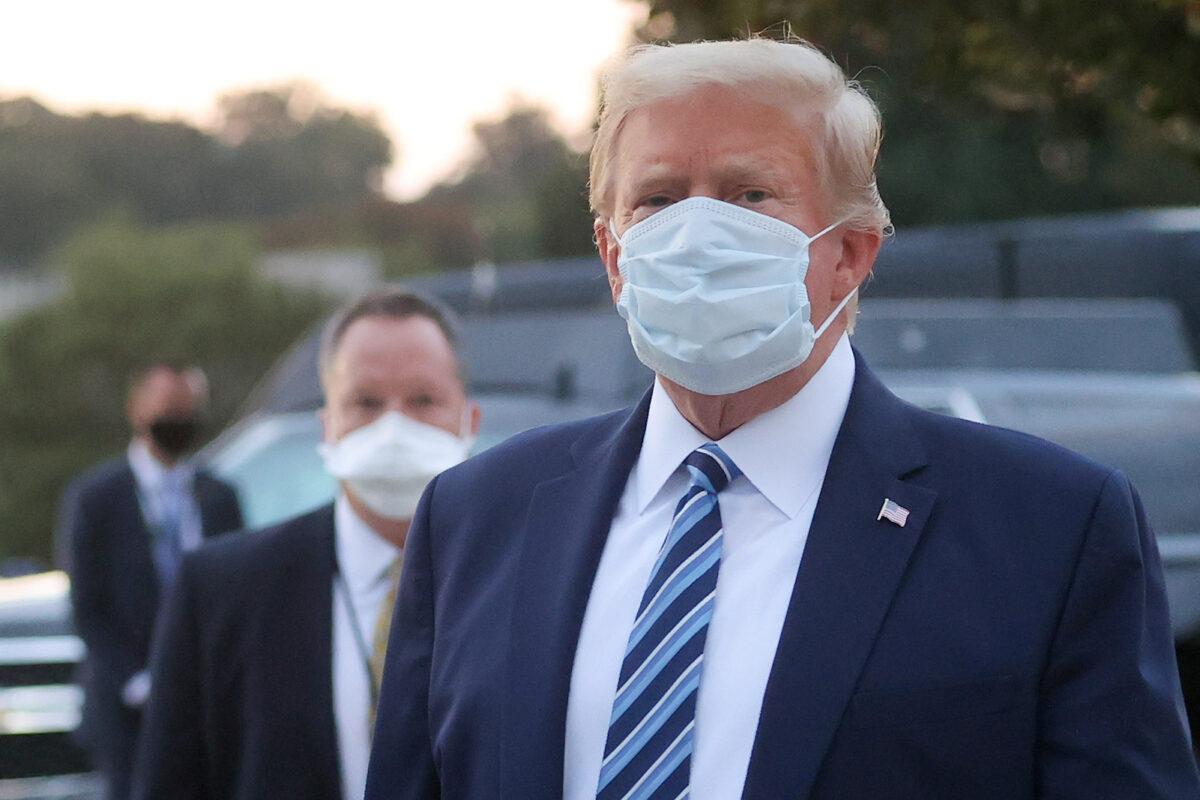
(393,302)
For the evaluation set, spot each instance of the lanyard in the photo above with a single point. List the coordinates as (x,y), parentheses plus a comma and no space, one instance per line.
(360,643)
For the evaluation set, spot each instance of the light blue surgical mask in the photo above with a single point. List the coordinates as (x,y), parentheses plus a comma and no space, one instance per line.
(714,295)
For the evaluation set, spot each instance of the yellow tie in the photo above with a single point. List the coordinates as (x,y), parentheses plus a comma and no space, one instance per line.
(383,626)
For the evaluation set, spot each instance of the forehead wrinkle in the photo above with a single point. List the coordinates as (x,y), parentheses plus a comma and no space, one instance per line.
(658,172)
(741,168)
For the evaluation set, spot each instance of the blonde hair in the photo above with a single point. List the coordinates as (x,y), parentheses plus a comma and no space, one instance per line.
(782,73)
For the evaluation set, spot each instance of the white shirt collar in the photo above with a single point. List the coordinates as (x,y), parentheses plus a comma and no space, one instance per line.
(363,556)
(780,452)
(150,473)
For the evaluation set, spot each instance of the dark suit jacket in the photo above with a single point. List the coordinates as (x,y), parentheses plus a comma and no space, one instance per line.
(242,697)
(1010,641)
(115,586)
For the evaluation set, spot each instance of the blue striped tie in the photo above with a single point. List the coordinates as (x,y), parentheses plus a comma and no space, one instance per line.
(649,748)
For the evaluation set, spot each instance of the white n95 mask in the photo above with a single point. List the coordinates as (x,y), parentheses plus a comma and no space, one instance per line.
(714,295)
(389,463)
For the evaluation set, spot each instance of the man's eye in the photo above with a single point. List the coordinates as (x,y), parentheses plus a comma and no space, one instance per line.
(368,402)
(755,196)
(422,400)
(657,201)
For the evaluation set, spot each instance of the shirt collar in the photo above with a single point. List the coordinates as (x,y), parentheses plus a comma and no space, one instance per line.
(150,473)
(781,452)
(363,556)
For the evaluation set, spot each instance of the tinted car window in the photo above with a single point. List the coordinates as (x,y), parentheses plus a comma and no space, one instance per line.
(273,463)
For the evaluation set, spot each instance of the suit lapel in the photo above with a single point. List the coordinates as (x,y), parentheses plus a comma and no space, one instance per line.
(205,501)
(852,566)
(302,650)
(568,524)
(134,550)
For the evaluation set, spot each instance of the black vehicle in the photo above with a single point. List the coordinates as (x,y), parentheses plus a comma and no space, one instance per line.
(1114,380)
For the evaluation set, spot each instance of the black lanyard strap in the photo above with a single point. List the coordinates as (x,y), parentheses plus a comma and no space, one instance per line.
(360,643)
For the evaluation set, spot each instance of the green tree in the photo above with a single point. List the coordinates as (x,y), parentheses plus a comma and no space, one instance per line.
(290,150)
(526,188)
(1003,109)
(275,152)
(58,171)
(186,294)
(521,195)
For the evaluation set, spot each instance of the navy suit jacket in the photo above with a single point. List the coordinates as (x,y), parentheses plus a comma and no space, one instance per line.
(242,699)
(115,588)
(1010,641)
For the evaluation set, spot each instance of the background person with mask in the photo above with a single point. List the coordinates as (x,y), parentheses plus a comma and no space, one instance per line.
(125,526)
(268,659)
(771,578)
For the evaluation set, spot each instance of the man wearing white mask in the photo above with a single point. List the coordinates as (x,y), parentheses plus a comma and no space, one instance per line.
(268,660)
(771,578)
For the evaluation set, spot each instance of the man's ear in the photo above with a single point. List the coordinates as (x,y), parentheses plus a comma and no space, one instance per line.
(859,249)
(609,251)
(476,416)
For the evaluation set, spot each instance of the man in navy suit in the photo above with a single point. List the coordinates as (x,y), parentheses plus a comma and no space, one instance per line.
(268,656)
(124,526)
(771,578)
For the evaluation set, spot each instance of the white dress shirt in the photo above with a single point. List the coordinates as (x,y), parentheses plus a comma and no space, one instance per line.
(160,486)
(363,558)
(766,516)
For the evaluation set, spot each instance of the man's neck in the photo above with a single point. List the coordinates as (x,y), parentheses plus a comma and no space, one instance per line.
(717,416)
(391,530)
(166,460)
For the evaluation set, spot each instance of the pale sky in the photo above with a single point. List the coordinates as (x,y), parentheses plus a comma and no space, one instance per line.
(428,69)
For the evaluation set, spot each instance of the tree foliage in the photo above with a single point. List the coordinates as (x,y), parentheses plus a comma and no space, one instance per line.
(521,195)
(274,152)
(187,294)
(1002,109)
(526,188)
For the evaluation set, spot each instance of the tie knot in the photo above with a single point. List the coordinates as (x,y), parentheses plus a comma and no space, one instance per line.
(711,468)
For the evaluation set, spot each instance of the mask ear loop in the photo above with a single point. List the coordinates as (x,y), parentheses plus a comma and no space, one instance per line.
(838,309)
(827,230)
(612,231)
(834,314)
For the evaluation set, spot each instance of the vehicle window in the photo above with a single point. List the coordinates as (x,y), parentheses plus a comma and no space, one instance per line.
(274,465)
(1138,336)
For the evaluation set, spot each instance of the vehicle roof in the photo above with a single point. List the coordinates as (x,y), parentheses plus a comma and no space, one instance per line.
(585,353)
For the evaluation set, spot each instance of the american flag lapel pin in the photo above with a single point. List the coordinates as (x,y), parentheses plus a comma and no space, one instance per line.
(893,512)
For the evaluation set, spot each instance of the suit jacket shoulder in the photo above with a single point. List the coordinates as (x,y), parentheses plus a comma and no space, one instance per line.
(257,587)
(98,482)
(253,561)
(517,465)
(987,453)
